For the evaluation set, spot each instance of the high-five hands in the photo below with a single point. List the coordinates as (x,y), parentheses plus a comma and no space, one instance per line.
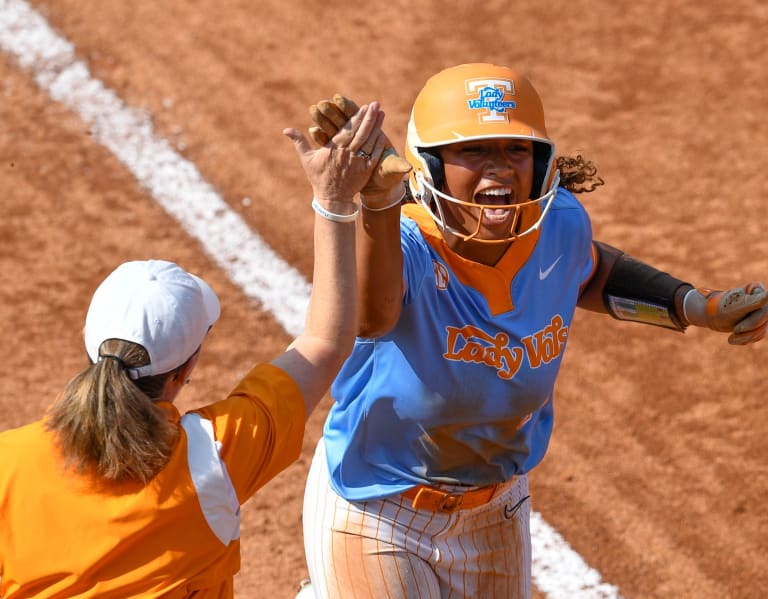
(342,166)
(385,186)
(742,311)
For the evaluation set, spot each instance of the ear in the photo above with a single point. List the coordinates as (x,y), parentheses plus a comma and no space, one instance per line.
(175,383)
(186,371)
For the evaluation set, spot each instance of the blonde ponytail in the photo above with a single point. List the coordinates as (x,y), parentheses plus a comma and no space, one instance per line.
(107,424)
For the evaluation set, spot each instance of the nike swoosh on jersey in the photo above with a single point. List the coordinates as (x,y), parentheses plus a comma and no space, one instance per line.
(543,274)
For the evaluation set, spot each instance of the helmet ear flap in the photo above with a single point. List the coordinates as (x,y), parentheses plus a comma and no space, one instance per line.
(542,158)
(435,165)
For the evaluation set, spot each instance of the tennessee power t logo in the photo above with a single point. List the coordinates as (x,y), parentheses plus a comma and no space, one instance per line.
(487,95)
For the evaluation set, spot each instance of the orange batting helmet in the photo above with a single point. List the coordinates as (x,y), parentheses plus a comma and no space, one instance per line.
(474,102)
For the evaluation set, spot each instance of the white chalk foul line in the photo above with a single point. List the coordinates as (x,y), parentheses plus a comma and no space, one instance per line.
(176,184)
(561,573)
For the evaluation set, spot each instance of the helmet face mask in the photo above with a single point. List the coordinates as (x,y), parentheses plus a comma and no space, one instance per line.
(478,102)
(527,217)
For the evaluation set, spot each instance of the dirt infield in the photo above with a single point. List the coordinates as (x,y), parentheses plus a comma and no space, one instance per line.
(658,467)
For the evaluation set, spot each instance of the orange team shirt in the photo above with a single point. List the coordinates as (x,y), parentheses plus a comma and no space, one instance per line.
(65,535)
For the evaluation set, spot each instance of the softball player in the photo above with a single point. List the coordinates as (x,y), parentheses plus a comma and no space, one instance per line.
(418,487)
(115,493)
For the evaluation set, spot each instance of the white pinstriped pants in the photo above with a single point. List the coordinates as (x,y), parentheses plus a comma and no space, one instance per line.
(386,549)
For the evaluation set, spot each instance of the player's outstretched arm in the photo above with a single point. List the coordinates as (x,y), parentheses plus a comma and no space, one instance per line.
(336,173)
(628,289)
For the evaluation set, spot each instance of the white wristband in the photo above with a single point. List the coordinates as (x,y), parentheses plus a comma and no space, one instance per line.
(337,218)
(387,207)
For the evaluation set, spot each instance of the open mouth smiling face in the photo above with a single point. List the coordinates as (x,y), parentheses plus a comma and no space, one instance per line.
(500,201)
(488,178)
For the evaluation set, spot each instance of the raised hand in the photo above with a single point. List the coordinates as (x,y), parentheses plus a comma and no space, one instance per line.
(386,183)
(341,167)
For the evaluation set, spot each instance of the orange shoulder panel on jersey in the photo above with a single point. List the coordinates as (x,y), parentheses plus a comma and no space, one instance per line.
(260,426)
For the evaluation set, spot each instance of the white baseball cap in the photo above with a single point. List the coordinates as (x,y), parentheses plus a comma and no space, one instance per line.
(156,304)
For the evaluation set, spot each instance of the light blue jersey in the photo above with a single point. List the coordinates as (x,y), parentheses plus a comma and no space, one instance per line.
(460,391)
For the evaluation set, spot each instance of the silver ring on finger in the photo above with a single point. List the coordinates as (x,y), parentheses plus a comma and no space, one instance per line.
(363,154)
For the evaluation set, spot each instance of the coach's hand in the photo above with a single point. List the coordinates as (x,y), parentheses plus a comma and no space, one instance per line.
(338,170)
(386,183)
(742,311)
